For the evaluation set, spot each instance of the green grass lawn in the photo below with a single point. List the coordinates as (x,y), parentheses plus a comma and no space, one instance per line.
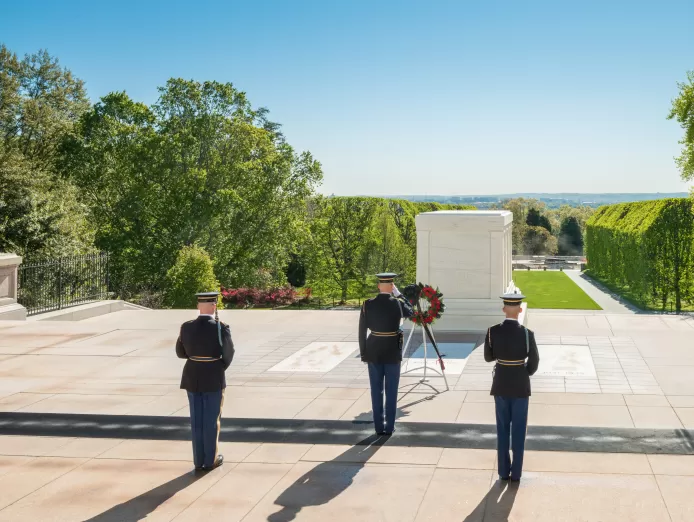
(554,290)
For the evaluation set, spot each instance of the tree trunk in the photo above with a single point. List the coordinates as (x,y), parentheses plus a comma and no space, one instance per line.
(678,298)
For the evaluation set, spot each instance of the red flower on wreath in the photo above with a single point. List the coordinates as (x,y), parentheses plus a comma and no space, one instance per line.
(435,308)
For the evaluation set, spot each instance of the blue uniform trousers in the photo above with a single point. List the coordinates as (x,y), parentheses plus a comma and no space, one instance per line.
(205,419)
(511,423)
(384,377)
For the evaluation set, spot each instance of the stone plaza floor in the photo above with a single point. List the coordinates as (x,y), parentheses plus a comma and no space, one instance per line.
(93,427)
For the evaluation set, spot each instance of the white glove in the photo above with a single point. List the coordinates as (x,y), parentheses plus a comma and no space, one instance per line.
(396,292)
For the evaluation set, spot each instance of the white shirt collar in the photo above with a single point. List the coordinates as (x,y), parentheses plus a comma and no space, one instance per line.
(511,319)
(205,315)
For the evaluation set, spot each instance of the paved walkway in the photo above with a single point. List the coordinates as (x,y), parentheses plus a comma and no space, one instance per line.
(608,301)
(67,479)
(619,379)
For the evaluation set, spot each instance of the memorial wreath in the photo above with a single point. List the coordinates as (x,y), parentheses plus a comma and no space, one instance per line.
(430,294)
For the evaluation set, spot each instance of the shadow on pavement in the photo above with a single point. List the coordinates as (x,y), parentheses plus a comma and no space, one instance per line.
(496,505)
(326,481)
(141,506)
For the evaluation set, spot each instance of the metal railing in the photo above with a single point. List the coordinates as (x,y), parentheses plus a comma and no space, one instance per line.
(59,283)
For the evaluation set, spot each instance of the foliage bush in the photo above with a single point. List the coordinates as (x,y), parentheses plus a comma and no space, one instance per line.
(645,248)
(193,272)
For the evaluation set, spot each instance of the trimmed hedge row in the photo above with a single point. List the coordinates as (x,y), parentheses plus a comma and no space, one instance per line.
(645,248)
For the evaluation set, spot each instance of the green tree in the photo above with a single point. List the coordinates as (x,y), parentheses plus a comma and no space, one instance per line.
(533,219)
(200,166)
(537,219)
(340,229)
(520,208)
(570,240)
(388,250)
(683,111)
(40,213)
(538,241)
(296,271)
(193,272)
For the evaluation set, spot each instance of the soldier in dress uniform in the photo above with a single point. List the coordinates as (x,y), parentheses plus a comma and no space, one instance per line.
(206,344)
(382,349)
(510,344)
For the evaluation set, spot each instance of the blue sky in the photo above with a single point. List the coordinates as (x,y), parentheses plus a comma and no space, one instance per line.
(437,97)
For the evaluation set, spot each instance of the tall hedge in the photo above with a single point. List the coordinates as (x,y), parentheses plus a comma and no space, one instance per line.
(645,248)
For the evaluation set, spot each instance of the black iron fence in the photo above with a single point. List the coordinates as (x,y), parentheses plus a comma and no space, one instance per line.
(59,283)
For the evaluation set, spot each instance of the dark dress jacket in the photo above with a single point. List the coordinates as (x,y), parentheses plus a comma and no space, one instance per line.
(506,344)
(382,316)
(199,340)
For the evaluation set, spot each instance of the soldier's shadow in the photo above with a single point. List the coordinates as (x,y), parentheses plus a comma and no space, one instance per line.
(496,505)
(142,506)
(326,481)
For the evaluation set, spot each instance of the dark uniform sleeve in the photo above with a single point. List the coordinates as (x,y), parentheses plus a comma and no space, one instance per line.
(488,351)
(362,331)
(407,310)
(180,349)
(533,355)
(227,346)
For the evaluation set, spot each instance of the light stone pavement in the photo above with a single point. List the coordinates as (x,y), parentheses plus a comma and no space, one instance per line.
(56,479)
(123,364)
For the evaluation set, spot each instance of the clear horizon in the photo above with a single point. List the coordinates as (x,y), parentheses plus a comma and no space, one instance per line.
(402,98)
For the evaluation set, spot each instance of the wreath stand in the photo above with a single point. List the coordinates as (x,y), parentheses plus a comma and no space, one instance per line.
(424,381)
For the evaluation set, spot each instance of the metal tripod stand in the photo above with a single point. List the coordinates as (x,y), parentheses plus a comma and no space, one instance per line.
(424,381)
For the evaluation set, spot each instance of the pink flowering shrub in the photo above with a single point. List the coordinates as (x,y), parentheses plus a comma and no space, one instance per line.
(253,297)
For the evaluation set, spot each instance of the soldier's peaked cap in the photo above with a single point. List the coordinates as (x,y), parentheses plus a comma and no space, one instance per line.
(513,299)
(207,297)
(386,277)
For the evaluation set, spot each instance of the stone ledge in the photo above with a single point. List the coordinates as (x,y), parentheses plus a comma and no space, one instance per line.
(316,431)
(12,312)
(85,311)
(473,320)
(10,260)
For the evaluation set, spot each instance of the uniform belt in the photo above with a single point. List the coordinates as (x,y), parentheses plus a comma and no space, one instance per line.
(384,334)
(200,358)
(502,362)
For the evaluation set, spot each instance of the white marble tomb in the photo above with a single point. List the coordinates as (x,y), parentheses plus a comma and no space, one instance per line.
(468,256)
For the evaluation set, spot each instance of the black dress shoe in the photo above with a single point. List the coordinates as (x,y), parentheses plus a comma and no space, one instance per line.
(199,468)
(505,479)
(218,461)
(515,480)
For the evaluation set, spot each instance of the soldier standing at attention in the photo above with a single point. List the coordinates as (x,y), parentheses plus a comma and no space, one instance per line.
(509,344)
(382,349)
(206,344)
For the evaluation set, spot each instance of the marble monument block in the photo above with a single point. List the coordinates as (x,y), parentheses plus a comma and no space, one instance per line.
(9,308)
(467,254)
